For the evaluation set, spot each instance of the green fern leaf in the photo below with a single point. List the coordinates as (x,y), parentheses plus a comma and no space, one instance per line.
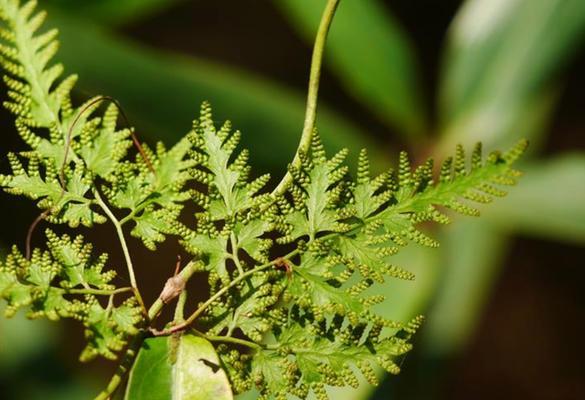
(106,146)
(26,55)
(153,191)
(108,329)
(308,357)
(67,205)
(316,195)
(50,285)
(233,211)
(77,266)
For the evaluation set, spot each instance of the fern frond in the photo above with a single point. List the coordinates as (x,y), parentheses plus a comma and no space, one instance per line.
(307,316)
(68,204)
(48,123)
(64,282)
(154,197)
(317,203)
(71,150)
(231,204)
(103,147)
(418,199)
(346,233)
(26,55)
(309,356)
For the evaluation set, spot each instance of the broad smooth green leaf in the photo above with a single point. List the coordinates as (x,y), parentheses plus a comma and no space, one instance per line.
(182,367)
(161,94)
(549,201)
(372,56)
(497,71)
(114,11)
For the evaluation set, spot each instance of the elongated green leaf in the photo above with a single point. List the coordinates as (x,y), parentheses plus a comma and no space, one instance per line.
(114,11)
(177,368)
(550,202)
(500,59)
(372,56)
(161,93)
(466,280)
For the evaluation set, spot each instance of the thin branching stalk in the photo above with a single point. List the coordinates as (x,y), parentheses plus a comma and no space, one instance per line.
(125,250)
(99,292)
(234,244)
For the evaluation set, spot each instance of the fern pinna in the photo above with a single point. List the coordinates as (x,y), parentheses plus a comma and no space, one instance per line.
(289,271)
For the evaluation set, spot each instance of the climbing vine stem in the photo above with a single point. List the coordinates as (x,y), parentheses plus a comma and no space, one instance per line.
(313,93)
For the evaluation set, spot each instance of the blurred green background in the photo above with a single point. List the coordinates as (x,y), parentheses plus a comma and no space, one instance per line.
(504,295)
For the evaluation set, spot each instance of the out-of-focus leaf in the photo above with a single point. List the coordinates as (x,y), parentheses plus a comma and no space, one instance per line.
(79,387)
(24,343)
(471,254)
(498,67)
(21,339)
(114,11)
(161,93)
(468,260)
(371,55)
(182,367)
(549,201)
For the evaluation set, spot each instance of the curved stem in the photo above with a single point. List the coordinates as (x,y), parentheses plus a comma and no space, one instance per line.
(304,145)
(311,108)
(123,243)
(133,213)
